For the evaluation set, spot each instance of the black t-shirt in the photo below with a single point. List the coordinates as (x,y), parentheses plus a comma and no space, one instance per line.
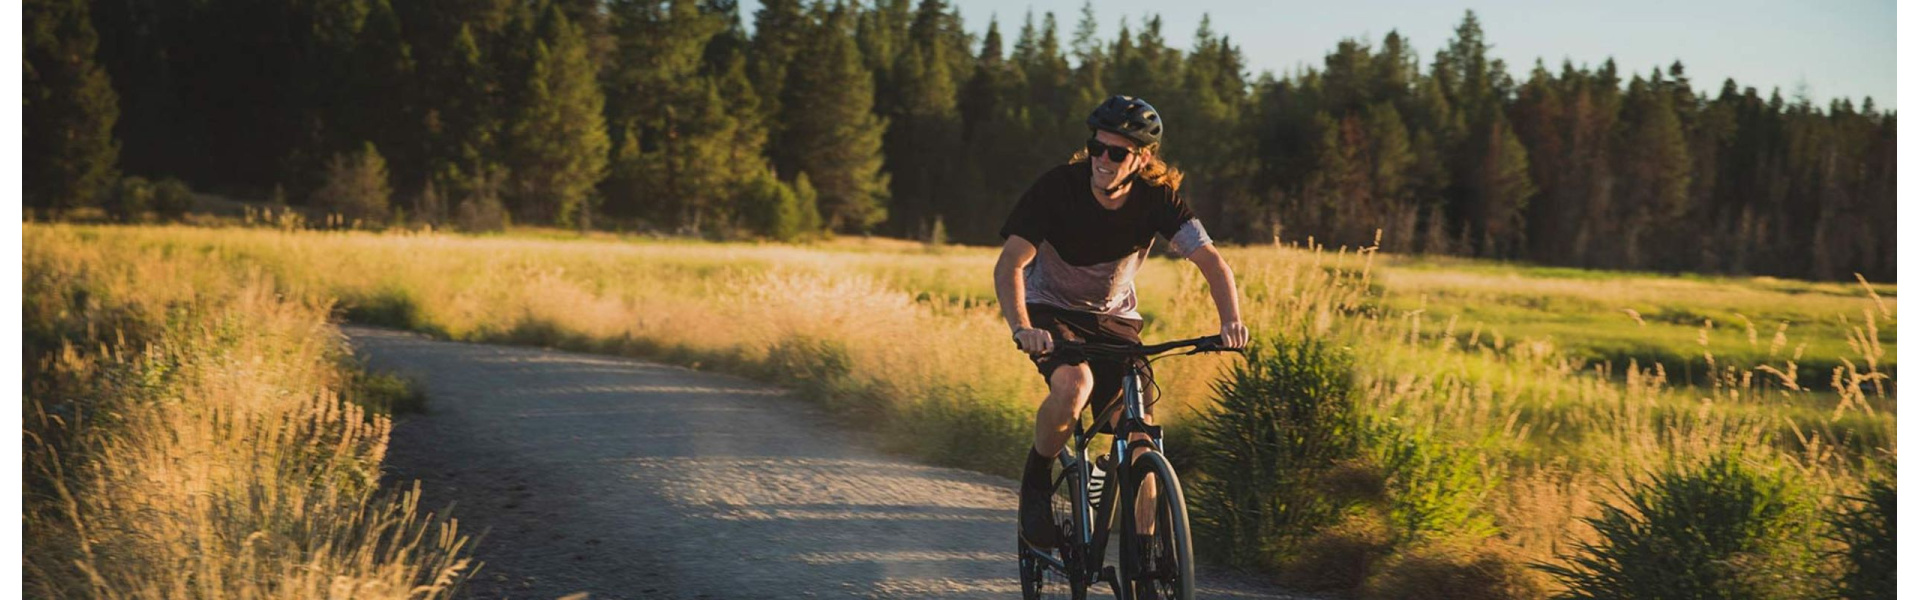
(1086,254)
(1060,208)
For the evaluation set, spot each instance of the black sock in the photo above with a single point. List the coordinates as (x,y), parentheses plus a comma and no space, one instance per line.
(1039,471)
(1143,543)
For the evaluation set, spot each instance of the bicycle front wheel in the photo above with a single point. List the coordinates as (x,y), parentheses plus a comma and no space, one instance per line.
(1164,568)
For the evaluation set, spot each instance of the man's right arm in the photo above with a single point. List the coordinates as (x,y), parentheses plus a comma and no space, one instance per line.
(1008,284)
(1011,288)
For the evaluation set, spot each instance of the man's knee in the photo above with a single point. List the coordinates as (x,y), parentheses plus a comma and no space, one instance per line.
(1070,384)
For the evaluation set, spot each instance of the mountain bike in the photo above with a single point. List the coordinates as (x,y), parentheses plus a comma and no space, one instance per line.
(1084,497)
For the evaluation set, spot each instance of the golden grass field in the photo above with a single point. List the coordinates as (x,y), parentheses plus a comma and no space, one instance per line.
(1548,375)
(196,431)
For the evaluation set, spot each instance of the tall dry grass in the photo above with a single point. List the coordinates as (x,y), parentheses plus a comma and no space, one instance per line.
(192,432)
(910,343)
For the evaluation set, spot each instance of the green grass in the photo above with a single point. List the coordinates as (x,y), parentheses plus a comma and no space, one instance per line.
(1617,317)
(1544,372)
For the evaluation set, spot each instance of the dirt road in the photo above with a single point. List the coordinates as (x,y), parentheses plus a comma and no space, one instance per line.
(618,478)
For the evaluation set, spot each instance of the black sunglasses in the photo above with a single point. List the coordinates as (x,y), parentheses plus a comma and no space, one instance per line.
(1114,153)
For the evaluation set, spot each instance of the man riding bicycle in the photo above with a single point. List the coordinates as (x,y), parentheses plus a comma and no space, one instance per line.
(1073,244)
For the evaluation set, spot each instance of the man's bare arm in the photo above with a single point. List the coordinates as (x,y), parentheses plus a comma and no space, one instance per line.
(1008,285)
(1226,293)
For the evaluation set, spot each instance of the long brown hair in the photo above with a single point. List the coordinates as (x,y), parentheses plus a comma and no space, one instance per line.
(1156,171)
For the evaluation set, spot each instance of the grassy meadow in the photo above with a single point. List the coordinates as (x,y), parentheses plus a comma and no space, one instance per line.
(1558,385)
(194,430)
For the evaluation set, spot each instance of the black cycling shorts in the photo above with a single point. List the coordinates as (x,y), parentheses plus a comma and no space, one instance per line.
(1085,327)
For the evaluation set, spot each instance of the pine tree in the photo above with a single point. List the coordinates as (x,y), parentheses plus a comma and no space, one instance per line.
(1593,110)
(1341,200)
(1391,158)
(153,128)
(1656,173)
(1088,86)
(1216,142)
(1395,69)
(999,141)
(830,132)
(1501,189)
(923,122)
(559,138)
(703,176)
(745,153)
(1489,171)
(463,122)
(1539,119)
(69,152)
(779,31)
(982,95)
(479,100)
(1055,113)
(383,99)
(357,188)
(681,176)
(1086,47)
(1348,80)
(327,78)
(881,33)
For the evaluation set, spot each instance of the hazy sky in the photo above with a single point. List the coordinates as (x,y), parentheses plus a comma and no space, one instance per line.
(1836,48)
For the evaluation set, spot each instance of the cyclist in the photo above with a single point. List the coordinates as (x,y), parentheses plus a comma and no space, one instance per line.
(1074,241)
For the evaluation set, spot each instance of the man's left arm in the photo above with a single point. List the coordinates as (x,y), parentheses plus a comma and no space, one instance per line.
(1226,294)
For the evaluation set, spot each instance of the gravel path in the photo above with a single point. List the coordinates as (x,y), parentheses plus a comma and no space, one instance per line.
(606,477)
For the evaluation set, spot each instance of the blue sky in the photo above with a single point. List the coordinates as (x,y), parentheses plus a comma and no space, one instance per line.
(1836,48)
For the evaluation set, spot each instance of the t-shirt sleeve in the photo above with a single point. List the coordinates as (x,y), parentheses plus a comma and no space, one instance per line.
(1176,221)
(1029,217)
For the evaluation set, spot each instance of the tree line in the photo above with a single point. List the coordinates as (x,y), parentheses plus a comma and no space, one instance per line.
(890,117)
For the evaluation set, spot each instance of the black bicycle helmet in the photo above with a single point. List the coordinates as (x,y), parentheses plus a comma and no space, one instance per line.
(1128,116)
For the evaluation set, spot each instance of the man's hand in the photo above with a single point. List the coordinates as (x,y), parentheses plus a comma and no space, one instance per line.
(1233,334)
(1034,341)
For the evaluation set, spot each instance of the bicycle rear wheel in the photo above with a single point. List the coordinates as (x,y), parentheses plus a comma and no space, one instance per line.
(1167,568)
(1054,574)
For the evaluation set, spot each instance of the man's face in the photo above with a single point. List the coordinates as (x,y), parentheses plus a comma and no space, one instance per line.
(1105,170)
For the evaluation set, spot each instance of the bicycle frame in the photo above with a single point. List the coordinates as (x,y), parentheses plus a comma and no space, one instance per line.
(1093,529)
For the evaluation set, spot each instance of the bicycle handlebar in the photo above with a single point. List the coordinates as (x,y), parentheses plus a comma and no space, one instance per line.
(1200,345)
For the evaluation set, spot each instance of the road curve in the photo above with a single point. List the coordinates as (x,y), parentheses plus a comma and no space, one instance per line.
(606,477)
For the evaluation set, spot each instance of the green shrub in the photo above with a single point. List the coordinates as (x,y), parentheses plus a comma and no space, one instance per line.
(479,208)
(957,426)
(808,200)
(356,188)
(821,370)
(171,199)
(1867,532)
(1722,530)
(1340,557)
(1456,570)
(385,393)
(130,200)
(388,306)
(770,208)
(481,214)
(938,236)
(1284,418)
(1433,487)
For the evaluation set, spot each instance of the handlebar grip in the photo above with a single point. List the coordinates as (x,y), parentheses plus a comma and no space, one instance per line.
(1213,343)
